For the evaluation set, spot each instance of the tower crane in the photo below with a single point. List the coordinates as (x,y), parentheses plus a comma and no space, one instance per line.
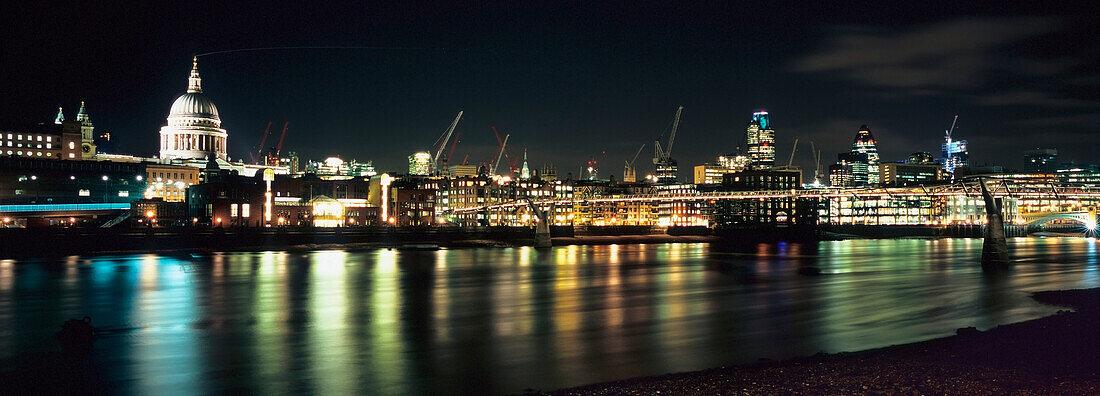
(493,166)
(817,162)
(272,158)
(630,174)
(662,158)
(790,160)
(438,161)
(949,164)
(260,148)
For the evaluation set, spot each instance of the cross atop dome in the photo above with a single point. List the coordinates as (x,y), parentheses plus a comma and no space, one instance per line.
(194,83)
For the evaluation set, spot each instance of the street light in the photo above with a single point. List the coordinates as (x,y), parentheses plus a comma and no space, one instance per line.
(105,178)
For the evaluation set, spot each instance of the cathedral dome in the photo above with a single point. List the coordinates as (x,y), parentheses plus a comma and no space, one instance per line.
(194,105)
(194,128)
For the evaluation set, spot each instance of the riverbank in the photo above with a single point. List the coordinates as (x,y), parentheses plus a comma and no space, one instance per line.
(1058,354)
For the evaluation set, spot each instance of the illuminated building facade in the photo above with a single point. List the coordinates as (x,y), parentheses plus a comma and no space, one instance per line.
(56,141)
(420,163)
(864,143)
(955,156)
(711,174)
(681,213)
(760,138)
(850,170)
(194,129)
(899,175)
(169,182)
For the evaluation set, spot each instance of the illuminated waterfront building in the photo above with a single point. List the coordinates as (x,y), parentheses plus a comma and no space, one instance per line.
(51,141)
(194,127)
(169,182)
(864,143)
(760,138)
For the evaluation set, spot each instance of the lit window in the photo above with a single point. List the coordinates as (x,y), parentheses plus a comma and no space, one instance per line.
(49,138)
(72,146)
(84,192)
(49,145)
(19,137)
(39,138)
(233,210)
(245,209)
(71,155)
(124,193)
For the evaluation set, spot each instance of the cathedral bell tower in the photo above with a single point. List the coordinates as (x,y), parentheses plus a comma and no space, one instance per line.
(87,138)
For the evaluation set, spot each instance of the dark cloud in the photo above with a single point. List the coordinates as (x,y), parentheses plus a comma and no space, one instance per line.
(954,55)
(1030,98)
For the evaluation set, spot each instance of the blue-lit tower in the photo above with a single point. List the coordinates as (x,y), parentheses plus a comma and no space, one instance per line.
(760,140)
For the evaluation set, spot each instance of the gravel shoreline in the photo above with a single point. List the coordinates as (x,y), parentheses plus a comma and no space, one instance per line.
(1058,354)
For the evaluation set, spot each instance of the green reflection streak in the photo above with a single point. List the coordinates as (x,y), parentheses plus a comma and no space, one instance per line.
(387,345)
(330,349)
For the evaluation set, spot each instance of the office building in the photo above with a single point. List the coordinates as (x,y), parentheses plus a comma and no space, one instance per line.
(760,138)
(420,163)
(921,158)
(864,143)
(899,175)
(1041,160)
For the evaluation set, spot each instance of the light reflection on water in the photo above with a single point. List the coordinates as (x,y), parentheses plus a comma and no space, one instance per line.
(501,320)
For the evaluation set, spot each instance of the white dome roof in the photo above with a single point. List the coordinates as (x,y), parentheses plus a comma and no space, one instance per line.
(194,105)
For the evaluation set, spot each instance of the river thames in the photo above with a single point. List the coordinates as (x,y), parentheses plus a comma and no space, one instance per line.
(499,320)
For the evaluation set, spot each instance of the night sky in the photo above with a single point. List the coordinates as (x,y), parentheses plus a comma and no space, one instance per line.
(572,80)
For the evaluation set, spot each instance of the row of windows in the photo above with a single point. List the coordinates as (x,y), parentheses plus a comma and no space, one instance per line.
(31,153)
(31,137)
(14,144)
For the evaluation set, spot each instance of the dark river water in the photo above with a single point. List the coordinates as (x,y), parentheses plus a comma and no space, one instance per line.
(501,320)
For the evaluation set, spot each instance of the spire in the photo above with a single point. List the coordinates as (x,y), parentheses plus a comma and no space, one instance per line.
(525,173)
(60,116)
(82,115)
(194,83)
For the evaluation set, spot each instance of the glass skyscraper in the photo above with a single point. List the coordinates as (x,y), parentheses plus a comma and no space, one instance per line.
(761,141)
(864,143)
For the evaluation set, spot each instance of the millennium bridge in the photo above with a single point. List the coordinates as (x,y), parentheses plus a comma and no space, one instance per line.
(1077,202)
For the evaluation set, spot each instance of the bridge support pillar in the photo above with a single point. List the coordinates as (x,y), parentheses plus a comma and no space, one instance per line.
(994,246)
(542,235)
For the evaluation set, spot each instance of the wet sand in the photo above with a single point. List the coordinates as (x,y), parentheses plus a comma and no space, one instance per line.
(1059,354)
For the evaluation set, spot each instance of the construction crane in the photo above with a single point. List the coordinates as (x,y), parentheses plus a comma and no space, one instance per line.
(451,152)
(790,160)
(662,158)
(260,148)
(630,174)
(949,164)
(817,162)
(503,144)
(272,158)
(438,161)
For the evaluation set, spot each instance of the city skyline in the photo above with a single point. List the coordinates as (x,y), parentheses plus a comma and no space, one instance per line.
(403,92)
